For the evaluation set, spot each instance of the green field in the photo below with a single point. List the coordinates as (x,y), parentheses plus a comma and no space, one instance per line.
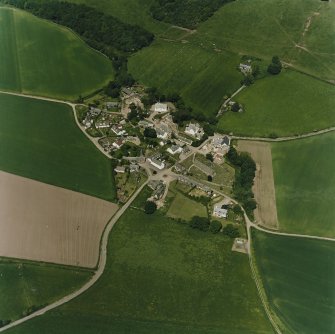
(42,58)
(288,104)
(305,185)
(266,28)
(298,277)
(40,140)
(184,208)
(163,277)
(24,284)
(201,76)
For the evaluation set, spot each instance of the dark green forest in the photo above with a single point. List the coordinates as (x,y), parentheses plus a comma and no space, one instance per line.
(185,13)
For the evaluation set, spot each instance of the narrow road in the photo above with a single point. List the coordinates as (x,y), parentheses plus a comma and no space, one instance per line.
(100,268)
(228,100)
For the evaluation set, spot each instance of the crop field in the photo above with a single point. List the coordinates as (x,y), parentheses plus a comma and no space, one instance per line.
(201,76)
(45,223)
(300,32)
(163,277)
(42,58)
(184,208)
(298,278)
(264,188)
(40,140)
(27,284)
(284,105)
(305,185)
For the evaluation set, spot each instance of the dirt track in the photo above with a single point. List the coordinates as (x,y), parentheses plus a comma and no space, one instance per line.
(47,223)
(264,189)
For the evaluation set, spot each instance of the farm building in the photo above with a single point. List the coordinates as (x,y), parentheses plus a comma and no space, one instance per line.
(175,149)
(156,163)
(120,169)
(220,210)
(160,107)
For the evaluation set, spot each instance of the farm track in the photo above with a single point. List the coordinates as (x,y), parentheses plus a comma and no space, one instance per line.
(104,241)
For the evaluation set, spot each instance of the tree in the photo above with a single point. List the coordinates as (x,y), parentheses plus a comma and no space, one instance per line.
(215,226)
(150,207)
(275,67)
(200,223)
(210,178)
(231,231)
(237,209)
(209,157)
(150,133)
(235,107)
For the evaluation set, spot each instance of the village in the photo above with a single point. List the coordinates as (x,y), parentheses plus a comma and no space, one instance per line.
(146,142)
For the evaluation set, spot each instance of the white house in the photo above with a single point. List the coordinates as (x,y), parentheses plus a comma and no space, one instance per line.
(245,69)
(194,130)
(157,163)
(220,142)
(118,130)
(120,169)
(220,210)
(160,107)
(118,144)
(175,149)
(163,131)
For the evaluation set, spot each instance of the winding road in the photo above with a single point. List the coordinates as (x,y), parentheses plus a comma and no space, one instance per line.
(161,175)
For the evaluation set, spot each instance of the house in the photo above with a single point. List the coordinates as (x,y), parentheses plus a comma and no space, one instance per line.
(160,107)
(245,69)
(156,163)
(94,112)
(194,130)
(220,210)
(118,130)
(220,142)
(118,143)
(127,91)
(120,169)
(111,105)
(145,124)
(163,131)
(134,168)
(175,149)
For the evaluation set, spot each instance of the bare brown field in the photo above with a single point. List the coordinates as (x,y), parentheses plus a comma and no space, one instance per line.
(264,188)
(46,223)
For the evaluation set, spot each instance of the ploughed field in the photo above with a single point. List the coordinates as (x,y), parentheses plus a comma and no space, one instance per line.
(40,140)
(45,223)
(42,58)
(162,277)
(305,185)
(298,278)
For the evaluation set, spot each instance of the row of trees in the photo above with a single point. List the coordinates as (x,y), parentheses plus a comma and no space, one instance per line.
(244,178)
(184,12)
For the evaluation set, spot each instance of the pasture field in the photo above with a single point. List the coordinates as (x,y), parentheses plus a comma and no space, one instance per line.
(300,32)
(163,277)
(27,284)
(284,105)
(184,208)
(41,58)
(305,185)
(298,278)
(201,76)
(40,140)
(45,223)
(264,188)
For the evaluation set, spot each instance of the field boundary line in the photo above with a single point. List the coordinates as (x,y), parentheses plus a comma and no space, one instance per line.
(98,273)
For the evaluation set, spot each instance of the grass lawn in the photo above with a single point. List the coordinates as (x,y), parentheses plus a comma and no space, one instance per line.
(42,58)
(184,208)
(298,277)
(201,76)
(305,185)
(266,28)
(163,277)
(288,104)
(24,284)
(40,140)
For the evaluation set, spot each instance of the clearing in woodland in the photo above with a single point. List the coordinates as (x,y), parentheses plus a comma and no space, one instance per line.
(41,58)
(264,189)
(45,223)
